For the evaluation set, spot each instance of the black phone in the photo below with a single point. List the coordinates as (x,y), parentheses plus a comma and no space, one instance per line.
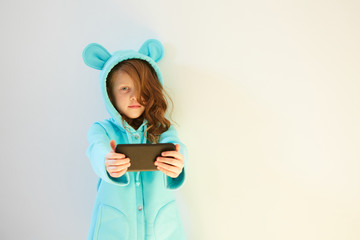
(143,156)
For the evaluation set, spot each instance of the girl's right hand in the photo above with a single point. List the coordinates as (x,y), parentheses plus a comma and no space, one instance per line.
(116,163)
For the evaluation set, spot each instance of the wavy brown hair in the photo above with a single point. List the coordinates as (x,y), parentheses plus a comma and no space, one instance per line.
(151,95)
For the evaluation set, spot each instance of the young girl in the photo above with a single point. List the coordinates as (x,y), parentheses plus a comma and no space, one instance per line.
(133,205)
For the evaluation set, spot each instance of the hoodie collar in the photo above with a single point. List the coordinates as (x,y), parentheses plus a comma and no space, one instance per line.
(118,122)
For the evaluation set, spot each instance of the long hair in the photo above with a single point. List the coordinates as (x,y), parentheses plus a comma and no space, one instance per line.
(150,94)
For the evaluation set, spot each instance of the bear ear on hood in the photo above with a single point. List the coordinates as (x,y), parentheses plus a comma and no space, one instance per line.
(95,56)
(153,48)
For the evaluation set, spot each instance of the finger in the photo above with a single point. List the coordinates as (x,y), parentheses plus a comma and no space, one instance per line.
(110,162)
(173,154)
(114,169)
(112,155)
(112,145)
(118,174)
(168,167)
(167,172)
(172,161)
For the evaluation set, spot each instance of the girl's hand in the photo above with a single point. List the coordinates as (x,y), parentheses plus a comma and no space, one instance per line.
(116,163)
(171,163)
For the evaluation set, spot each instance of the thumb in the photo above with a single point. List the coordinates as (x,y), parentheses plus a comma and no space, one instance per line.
(112,145)
(177,147)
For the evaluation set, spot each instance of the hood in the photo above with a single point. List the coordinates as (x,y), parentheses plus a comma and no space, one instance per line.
(96,56)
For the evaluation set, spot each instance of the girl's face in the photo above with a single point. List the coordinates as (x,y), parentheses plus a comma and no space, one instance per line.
(124,93)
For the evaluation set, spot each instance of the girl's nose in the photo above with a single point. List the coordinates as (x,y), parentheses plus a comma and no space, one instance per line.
(133,96)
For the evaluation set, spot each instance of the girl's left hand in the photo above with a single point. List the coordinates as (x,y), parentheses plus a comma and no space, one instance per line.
(171,163)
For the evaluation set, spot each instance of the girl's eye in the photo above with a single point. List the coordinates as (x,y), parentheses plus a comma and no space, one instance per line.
(124,88)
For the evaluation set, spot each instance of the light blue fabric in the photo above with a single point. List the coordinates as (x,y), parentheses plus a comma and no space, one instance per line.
(137,205)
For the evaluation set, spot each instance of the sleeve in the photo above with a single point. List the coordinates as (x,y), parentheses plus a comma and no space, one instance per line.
(171,136)
(99,146)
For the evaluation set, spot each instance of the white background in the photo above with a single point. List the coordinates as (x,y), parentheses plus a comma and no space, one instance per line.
(266,97)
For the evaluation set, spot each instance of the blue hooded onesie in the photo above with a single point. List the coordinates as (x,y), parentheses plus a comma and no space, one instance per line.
(137,205)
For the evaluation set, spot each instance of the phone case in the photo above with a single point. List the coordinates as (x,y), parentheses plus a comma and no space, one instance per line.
(143,156)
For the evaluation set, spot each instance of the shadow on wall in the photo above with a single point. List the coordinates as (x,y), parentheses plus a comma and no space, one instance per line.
(222,124)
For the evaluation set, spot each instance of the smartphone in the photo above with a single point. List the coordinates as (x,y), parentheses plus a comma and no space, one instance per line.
(143,156)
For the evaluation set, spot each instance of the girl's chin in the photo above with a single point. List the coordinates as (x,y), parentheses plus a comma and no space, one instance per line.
(133,116)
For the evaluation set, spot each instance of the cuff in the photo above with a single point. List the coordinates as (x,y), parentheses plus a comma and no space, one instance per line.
(174,183)
(120,181)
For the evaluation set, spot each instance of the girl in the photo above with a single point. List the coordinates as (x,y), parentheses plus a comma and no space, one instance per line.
(133,205)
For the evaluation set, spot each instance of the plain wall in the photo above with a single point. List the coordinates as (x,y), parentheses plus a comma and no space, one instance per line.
(266,97)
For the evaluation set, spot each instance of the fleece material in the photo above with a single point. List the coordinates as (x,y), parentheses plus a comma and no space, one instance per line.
(137,205)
